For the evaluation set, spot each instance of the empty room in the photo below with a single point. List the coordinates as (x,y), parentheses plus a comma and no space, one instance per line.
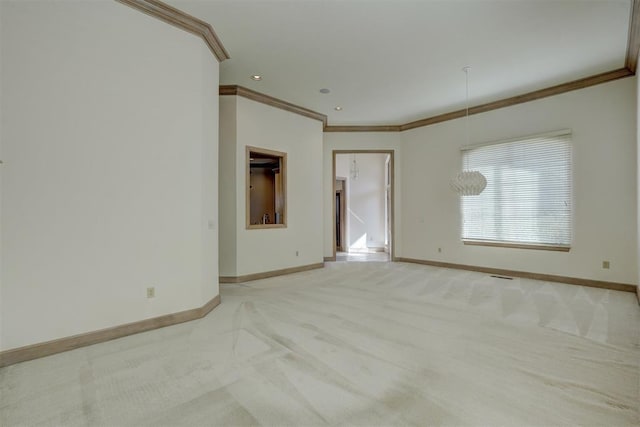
(310,212)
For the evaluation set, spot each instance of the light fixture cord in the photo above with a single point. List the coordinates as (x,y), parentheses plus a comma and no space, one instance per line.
(466,72)
(354,168)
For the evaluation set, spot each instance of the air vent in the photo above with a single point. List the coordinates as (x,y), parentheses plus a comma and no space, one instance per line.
(503,277)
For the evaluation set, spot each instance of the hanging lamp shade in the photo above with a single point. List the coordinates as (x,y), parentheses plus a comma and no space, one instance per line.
(468,183)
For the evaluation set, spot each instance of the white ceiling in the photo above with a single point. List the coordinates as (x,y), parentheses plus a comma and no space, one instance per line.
(395,61)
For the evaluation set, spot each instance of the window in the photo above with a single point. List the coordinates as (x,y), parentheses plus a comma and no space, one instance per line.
(528,198)
(266,188)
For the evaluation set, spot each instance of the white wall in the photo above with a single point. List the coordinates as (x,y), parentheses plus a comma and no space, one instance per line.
(638,177)
(262,126)
(227,185)
(365,199)
(207,227)
(1,157)
(603,121)
(109,139)
(359,141)
(343,165)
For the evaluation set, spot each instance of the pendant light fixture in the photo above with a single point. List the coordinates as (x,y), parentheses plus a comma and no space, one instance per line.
(468,182)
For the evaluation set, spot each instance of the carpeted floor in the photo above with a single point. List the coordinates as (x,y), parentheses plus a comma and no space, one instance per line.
(356,344)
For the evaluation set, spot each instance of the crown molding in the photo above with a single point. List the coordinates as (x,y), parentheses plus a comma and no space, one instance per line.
(502,103)
(196,26)
(483,108)
(631,62)
(527,97)
(365,128)
(182,20)
(271,101)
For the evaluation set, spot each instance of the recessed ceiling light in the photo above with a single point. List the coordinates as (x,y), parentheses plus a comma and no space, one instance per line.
(324,90)
(256,77)
(338,108)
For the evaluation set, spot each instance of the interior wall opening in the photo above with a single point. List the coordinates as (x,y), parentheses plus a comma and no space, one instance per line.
(266,188)
(363,205)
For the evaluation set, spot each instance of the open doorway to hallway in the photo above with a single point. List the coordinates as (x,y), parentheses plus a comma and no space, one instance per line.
(363,205)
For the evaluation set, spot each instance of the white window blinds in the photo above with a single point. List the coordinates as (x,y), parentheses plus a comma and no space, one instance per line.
(528,198)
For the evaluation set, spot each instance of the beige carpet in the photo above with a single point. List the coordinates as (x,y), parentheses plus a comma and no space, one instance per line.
(356,344)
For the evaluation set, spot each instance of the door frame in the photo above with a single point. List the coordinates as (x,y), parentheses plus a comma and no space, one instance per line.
(342,214)
(387,204)
(392,251)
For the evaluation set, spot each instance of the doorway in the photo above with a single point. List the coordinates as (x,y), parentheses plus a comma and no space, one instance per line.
(363,205)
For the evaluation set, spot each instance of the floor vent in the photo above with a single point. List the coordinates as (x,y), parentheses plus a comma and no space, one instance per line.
(503,277)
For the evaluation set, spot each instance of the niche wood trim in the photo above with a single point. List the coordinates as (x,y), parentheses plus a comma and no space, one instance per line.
(182,20)
(633,44)
(279,213)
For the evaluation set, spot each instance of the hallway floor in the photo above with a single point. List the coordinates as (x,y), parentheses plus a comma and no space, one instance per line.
(356,344)
(363,256)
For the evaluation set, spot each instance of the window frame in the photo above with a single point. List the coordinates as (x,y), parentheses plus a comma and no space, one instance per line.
(516,244)
(283,172)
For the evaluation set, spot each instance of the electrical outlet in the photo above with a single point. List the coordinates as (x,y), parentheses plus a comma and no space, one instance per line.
(439,250)
(151,292)
(297,253)
(606,264)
